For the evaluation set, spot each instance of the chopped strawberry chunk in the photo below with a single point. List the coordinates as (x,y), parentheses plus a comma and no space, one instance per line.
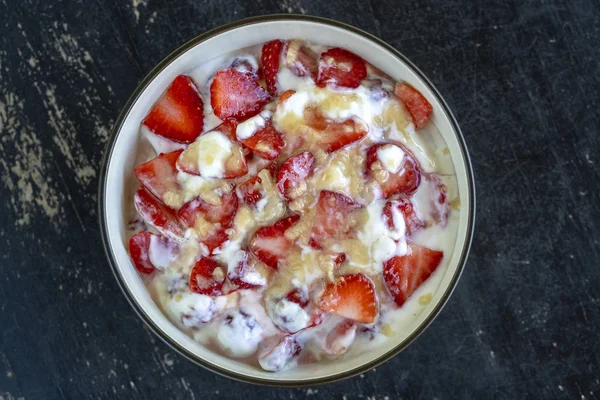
(332,217)
(139,249)
(439,198)
(340,338)
(158,215)
(341,68)
(417,105)
(298,297)
(251,190)
(404,274)
(277,352)
(234,94)
(269,59)
(269,243)
(412,222)
(159,175)
(207,277)
(352,297)
(266,142)
(300,59)
(293,173)
(179,114)
(228,128)
(245,275)
(335,134)
(244,66)
(405,180)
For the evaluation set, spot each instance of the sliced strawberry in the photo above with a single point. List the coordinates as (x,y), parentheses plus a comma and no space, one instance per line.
(277,352)
(159,175)
(404,274)
(245,275)
(439,198)
(158,215)
(300,59)
(340,338)
(234,94)
(269,243)
(291,177)
(335,134)
(405,180)
(207,277)
(244,66)
(341,68)
(411,221)
(251,191)
(235,166)
(417,105)
(269,59)
(139,249)
(179,114)
(266,142)
(332,217)
(353,297)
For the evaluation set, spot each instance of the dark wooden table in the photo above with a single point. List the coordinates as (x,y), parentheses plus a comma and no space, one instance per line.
(523,78)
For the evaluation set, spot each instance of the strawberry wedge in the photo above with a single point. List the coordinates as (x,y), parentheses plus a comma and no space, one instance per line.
(179,114)
(340,67)
(417,105)
(352,297)
(269,59)
(404,274)
(207,277)
(266,142)
(393,168)
(293,173)
(158,215)
(332,218)
(234,94)
(139,250)
(335,134)
(159,175)
(412,222)
(269,243)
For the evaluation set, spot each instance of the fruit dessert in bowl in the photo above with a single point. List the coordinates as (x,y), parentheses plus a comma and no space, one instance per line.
(284,209)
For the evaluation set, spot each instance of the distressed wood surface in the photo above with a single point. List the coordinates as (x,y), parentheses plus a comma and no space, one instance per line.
(523,78)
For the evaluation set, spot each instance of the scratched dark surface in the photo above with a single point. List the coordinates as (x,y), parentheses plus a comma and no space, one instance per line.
(523,78)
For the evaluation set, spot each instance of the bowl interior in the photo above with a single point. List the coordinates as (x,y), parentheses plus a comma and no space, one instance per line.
(122,150)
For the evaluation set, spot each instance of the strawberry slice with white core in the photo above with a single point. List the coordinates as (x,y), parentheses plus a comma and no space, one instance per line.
(404,274)
(405,208)
(292,175)
(417,105)
(300,59)
(340,338)
(277,352)
(213,155)
(393,168)
(332,218)
(159,175)
(259,136)
(179,114)
(353,297)
(207,277)
(269,58)
(335,134)
(139,250)
(340,67)
(236,95)
(158,215)
(269,244)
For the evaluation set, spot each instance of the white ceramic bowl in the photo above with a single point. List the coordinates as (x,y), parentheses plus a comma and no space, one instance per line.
(121,149)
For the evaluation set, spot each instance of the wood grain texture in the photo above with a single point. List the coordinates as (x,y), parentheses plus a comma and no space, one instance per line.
(523,78)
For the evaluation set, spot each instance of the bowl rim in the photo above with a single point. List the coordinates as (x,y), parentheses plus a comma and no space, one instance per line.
(109,147)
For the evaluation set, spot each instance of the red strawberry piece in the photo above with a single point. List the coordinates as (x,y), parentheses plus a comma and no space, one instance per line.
(245,275)
(228,129)
(439,198)
(234,94)
(353,297)
(251,190)
(335,134)
(293,173)
(179,114)
(158,215)
(298,297)
(244,66)
(332,217)
(139,249)
(404,274)
(207,277)
(277,352)
(417,105)
(300,59)
(159,175)
(269,243)
(411,221)
(405,181)
(266,142)
(340,338)
(269,59)
(342,68)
